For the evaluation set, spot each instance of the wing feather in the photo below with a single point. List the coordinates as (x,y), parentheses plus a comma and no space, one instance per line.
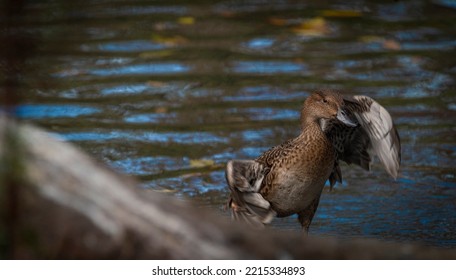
(379,126)
(375,135)
(244,179)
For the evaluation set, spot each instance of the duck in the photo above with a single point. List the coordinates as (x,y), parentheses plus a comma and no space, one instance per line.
(288,179)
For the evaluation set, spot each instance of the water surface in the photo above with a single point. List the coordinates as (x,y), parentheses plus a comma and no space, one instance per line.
(168,91)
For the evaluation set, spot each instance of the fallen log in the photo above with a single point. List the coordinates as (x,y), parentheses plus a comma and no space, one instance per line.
(58,203)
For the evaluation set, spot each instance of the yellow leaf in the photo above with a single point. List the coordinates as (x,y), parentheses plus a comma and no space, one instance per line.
(312,27)
(156,54)
(170,41)
(341,13)
(186,20)
(198,163)
(371,39)
(165,190)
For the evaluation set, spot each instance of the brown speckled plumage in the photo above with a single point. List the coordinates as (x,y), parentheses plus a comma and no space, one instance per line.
(289,178)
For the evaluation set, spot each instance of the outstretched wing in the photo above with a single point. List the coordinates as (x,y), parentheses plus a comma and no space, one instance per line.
(375,135)
(244,179)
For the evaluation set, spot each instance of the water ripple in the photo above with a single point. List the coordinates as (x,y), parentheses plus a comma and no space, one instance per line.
(150,165)
(152,118)
(150,137)
(143,69)
(127,46)
(269,67)
(260,114)
(42,111)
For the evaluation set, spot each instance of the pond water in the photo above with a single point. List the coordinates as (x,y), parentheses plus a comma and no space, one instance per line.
(168,91)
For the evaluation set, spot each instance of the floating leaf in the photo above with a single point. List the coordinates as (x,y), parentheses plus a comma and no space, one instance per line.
(277,21)
(169,41)
(165,190)
(391,44)
(371,39)
(312,27)
(341,13)
(161,110)
(156,54)
(186,20)
(388,44)
(198,163)
(190,175)
(156,84)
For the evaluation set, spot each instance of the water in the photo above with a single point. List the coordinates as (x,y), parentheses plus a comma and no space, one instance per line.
(168,91)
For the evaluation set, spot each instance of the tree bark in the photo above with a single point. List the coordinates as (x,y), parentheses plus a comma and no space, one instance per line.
(58,203)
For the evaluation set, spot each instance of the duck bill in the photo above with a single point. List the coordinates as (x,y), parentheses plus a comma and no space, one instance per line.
(343,117)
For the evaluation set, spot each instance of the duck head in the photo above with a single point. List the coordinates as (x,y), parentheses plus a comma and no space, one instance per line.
(324,105)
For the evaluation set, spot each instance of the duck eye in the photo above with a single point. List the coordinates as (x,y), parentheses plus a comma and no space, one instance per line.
(325,101)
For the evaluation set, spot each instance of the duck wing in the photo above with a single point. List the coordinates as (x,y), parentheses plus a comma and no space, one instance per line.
(375,135)
(245,178)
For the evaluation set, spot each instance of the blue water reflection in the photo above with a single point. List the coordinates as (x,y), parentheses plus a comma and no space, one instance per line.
(125,89)
(127,46)
(142,69)
(42,111)
(150,165)
(441,45)
(143,10)
(264,93)
(144,136)
(152,118)
(138,88)
(259,114)
(269,67)
(260,43)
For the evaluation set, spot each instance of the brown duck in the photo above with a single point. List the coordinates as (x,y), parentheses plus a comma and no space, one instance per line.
(289,178)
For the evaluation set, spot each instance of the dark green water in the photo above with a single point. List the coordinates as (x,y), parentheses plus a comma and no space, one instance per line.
(168,91)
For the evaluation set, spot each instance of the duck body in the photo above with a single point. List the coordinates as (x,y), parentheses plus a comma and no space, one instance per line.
(289,178)
(298,174)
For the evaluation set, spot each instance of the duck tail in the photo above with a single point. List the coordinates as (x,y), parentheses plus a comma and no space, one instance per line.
(244,179)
